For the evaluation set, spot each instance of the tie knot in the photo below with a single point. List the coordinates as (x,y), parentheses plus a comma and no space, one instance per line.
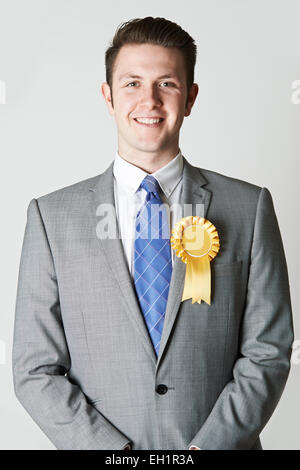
(151,185)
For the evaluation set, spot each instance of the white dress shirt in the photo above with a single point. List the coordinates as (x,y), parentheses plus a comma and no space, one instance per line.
(129,198)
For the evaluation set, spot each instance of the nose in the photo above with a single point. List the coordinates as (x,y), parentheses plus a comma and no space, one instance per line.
(150,96)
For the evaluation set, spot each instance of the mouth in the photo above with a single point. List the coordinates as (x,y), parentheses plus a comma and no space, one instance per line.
(155,122)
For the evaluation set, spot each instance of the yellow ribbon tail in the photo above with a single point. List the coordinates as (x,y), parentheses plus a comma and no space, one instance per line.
(197,285)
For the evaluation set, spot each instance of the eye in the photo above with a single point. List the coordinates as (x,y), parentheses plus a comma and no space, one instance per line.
(131,83)
(170,83)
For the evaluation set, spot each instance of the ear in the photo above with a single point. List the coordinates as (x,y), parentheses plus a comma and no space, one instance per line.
(106,92)
(191,98)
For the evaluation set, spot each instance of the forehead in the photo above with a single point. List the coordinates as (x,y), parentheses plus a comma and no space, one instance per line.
(148,59)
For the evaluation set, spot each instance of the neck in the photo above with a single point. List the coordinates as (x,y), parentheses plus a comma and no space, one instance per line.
(149,162)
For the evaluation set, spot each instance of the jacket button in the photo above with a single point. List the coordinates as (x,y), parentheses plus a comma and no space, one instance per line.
(161,389)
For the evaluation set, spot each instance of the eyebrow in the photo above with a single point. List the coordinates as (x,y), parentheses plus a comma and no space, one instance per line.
(131,75)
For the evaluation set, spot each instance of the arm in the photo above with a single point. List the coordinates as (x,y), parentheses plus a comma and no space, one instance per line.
(260,373)
(40,354)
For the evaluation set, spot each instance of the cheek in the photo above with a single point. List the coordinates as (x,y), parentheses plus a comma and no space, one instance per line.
(124,102)
(176,113)
(175,105)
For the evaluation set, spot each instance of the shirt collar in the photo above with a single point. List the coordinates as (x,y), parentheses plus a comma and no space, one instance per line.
(130,176)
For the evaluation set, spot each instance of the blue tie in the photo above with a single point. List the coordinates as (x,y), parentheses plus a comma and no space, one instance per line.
(152,260)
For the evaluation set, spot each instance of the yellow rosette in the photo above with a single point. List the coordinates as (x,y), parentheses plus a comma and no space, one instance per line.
(196,241)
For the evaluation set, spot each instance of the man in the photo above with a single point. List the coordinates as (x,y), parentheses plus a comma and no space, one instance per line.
(107,354)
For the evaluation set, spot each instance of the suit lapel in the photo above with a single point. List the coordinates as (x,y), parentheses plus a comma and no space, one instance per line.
(112,248)
(102,193)
(193,193)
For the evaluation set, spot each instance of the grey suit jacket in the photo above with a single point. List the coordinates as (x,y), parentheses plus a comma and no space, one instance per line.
(83,363)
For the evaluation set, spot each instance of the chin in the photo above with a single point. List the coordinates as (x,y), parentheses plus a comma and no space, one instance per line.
(149,148)
(150,145)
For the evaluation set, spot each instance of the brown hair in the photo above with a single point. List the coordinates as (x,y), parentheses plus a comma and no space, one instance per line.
(157,31)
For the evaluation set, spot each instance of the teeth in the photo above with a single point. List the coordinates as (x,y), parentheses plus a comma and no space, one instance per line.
(148,121)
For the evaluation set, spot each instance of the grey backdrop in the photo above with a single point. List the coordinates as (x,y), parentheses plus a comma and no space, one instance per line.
(55,130)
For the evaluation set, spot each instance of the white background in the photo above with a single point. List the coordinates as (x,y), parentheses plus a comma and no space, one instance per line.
(55,130)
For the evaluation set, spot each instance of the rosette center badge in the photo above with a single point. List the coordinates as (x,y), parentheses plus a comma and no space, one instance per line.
(196,242)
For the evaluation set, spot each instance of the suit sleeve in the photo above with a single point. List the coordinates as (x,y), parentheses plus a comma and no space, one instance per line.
(260,372)
(40,357)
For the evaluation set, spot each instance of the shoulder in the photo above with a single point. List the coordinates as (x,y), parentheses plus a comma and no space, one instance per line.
(70,191)
(64,201)
(228,190)
(220,181)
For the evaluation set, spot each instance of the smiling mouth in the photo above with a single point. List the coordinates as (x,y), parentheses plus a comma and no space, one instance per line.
(150,123)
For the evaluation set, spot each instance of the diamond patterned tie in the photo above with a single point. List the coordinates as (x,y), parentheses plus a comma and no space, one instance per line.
(152,260)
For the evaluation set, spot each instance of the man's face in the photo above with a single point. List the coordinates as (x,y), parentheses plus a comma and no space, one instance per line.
(149,81)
